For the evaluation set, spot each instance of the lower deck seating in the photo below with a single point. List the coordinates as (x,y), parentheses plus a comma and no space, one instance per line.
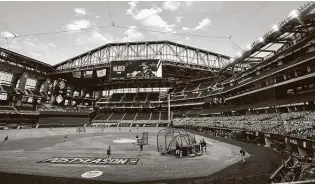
(129,116)
(155,116)
(143,116)
(63,121)
(117,116)
(104,116)
(164,116)
(194,112)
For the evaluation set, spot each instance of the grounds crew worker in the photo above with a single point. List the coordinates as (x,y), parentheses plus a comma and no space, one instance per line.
(109,157)
(5,142)
(242,153)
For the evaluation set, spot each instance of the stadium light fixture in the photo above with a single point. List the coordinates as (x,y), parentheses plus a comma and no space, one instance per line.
(261,39)
(294,14)
(275,27)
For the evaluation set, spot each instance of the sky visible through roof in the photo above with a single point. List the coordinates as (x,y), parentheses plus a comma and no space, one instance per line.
(244,21)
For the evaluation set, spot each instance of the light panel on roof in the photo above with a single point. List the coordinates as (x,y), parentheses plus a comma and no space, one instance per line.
(294,14)
(275,27)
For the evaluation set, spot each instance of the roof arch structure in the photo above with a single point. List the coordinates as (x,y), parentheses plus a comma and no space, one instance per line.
(170,53)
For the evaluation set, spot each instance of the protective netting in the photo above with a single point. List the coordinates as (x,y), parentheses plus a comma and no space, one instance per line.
(161,140)
(168,138)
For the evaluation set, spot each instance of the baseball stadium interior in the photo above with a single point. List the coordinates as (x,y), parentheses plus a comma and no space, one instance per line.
(263,98)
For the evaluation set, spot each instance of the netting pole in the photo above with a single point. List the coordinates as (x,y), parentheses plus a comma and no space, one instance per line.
(169,107)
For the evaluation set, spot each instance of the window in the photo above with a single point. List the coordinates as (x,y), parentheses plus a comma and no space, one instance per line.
(30,83)
(3,96)
(5,78)
(30,100)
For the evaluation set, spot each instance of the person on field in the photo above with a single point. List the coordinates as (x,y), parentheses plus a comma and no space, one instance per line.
(177,152)
(140,149)
(65,138)
(181,149)
(5,142)
(109,156)
(242,153)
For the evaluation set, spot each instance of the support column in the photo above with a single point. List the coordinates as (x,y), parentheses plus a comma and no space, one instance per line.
(23,79)
(15,79)
(46,86)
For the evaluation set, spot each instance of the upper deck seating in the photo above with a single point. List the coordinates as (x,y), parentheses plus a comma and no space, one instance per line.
(129,97)
(205,85)
(191,88)
(116,97)
(153,97)
(178,89)
(141,97)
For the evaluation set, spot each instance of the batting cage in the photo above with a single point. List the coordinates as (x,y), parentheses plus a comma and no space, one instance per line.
(167,139)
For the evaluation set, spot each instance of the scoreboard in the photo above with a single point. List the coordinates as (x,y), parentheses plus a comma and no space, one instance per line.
(136,69)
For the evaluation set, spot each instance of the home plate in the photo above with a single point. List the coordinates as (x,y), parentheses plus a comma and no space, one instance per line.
(124,141)
(91,174)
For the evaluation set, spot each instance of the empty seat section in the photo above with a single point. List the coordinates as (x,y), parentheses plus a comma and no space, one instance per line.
(7,110)
(27,110)
(204,93)
(181,112)
(153,97)
(191,88)
(8,89)
(130,116)
(204,85)
(164,116)
(143,116)
(104,116)
(126,105)
(36,93)
(155,116)
(129,97)
(141,97)
(194,112)
(63,121)
(192,95)
(178,97)
(163,98)
(178,89)
(116,97)
(117,116)
(103,100)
